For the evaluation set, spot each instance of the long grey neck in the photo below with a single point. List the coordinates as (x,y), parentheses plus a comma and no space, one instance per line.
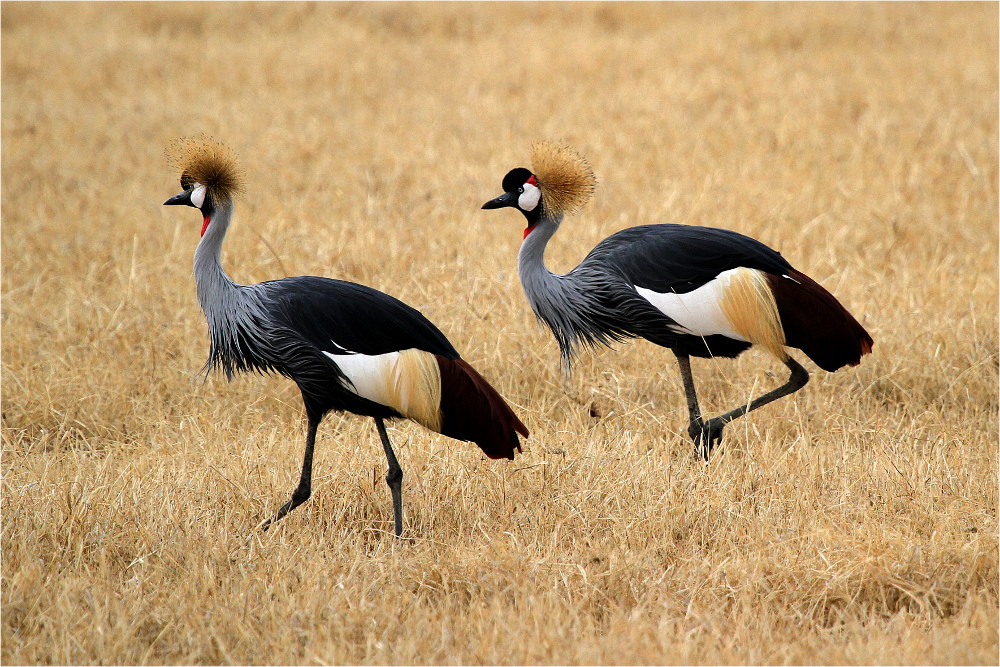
(535,277)
(209,275)
(234,312)
(555,299)
(580,307)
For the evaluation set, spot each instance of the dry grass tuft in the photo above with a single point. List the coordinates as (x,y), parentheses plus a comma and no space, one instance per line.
(853,523)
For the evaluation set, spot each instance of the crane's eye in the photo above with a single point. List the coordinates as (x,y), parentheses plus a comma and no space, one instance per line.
(520,190)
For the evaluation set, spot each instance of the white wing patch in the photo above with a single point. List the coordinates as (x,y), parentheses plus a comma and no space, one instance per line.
(698,312)
(738,304)
(367,373)
(408,381)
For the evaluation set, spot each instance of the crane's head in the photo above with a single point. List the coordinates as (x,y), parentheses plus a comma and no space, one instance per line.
(210,176)
(562,182)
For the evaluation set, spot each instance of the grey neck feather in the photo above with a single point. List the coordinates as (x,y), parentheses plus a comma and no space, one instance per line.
(235,313)
(535,277)
(571,304)
(209,275)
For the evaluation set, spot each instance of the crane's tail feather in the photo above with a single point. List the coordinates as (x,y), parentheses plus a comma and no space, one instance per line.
(816,323)
(471,409)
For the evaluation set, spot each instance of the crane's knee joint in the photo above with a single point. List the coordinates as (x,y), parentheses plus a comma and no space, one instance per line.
(394,476)
(799,376)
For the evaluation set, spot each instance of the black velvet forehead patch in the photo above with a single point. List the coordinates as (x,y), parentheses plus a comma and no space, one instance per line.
(515,178)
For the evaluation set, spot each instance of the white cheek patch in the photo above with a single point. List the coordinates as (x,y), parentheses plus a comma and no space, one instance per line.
(698,312)
(529,198)
(198,195)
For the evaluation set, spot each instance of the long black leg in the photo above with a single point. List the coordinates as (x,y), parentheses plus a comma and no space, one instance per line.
(796,380)
(394,478)
(304,489)
(695,423)
(708,434)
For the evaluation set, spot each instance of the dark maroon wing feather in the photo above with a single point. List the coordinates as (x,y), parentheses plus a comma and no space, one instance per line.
(472,410)
(816,323)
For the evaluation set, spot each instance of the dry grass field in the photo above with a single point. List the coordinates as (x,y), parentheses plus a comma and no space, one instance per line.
(855,522)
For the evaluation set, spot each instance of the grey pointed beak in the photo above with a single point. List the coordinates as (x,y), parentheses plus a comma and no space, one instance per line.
(506,199)
(183,198)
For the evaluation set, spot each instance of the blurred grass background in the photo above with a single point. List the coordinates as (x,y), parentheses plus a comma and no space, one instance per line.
(855,522)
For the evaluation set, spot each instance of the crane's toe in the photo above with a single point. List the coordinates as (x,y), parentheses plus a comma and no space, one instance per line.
(706,436)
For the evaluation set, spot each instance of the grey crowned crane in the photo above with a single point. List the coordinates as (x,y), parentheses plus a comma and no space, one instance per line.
(699,291)
(347,346)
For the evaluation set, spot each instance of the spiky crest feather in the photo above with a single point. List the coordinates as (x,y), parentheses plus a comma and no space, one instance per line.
(565,177)
(202,159)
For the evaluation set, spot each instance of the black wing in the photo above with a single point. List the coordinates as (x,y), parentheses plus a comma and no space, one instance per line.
(682,258)
(335,315)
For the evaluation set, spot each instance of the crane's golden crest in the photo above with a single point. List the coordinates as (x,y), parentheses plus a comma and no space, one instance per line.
(204,160)
(565,177)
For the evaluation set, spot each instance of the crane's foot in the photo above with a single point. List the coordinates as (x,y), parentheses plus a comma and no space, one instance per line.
(706,436)
(285,509)
(301,495)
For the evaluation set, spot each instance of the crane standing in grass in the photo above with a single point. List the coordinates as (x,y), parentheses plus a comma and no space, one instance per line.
(700,291)
(346,346)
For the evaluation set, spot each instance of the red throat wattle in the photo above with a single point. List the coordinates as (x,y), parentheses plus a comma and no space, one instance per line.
(204,225)
(531,181)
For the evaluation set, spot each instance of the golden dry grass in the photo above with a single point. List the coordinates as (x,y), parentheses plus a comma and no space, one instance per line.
(853,523)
